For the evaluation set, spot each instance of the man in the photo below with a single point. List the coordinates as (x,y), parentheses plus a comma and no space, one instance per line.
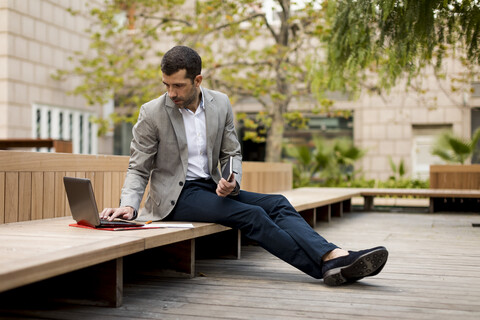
(177,143)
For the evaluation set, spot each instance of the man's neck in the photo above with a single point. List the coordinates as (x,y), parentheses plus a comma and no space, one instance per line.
(194,106)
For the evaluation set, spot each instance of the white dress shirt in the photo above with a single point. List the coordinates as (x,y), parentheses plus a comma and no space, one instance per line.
(196,131)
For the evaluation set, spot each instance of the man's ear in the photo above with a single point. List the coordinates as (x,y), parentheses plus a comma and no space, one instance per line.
(198,80)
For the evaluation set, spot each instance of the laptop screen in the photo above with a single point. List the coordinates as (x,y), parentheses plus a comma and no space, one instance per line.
(82,201)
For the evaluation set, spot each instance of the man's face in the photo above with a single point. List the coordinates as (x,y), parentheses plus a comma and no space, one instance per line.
(181,90)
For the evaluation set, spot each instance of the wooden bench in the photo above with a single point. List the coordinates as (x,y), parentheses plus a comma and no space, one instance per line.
(452,188)
(320,204)
(439,199)
(36,242)
(36,250)
(314,204)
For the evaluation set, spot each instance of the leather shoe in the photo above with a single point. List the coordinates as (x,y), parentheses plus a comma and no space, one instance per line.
(354,266)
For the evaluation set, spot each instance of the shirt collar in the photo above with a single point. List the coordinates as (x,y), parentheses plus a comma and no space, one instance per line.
(202,103)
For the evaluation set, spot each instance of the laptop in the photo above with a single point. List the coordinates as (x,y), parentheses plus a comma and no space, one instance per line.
(84,206)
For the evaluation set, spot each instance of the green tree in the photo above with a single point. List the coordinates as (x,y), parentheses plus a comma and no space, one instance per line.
(455,149)
(244,53)
(398,38)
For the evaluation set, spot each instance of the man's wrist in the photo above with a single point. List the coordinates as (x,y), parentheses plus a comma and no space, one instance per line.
(135,213)
(236,190)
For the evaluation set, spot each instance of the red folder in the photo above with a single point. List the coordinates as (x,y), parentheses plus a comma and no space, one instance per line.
(112,229)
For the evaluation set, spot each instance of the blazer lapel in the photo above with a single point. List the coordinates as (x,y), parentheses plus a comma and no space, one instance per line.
(179,128)
(211,121)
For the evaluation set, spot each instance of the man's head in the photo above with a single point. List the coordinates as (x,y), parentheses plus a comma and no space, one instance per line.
(181,68)
(181,57)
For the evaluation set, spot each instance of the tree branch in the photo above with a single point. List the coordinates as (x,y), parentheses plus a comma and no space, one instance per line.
(165,20)
(261,15)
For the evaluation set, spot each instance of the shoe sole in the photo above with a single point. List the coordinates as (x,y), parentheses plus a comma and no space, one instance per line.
(368,265)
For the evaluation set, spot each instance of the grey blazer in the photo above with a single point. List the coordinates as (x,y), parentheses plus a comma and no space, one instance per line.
(159,152)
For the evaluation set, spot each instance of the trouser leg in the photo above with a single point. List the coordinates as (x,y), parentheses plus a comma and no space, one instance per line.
(288,219)
(273,231)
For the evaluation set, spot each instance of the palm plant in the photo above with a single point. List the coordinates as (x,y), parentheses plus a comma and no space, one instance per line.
(304,165)
(398,172)
(329,161)
(454,149)
(344,154)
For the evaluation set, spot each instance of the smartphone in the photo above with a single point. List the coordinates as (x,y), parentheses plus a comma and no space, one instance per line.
(228,172)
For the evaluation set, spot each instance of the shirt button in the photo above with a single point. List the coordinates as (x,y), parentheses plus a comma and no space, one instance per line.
(180,183)
(172,203)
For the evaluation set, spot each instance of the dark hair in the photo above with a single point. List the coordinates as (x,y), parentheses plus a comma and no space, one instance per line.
(181,57)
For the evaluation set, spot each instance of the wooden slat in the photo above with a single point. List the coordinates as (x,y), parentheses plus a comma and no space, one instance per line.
(41,257)
(80,174)
(35,250)
(48,195)
(11,197)
(25,196)
(98,189)
(37,195)
(91,176)
(2,197)
(107,187)
(59,195)
(455,176)
(67,206)
(266,177)
(455,168)
(37,161)
(436,193)
(116,189)
(309,198)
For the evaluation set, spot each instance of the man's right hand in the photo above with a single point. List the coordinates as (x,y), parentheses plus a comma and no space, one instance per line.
(125,213)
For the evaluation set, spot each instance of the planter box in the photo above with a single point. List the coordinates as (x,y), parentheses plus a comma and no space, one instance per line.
(455,176)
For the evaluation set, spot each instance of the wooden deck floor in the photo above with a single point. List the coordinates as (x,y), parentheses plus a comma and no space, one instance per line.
(433,273)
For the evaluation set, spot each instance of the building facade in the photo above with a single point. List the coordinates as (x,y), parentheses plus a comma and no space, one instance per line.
(37,37)
(403,125)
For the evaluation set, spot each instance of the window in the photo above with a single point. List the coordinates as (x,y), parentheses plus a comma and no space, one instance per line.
(65,124)
(424,137)
(475,89)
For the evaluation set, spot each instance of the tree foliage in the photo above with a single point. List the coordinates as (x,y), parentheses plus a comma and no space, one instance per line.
(397,38)
(244,53)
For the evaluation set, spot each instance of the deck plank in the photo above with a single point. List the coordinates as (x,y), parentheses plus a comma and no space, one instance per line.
(432,273)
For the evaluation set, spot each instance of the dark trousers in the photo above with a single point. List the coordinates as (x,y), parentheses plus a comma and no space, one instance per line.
(267,219)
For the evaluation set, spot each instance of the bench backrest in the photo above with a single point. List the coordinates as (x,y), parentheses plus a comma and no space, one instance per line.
(31,183)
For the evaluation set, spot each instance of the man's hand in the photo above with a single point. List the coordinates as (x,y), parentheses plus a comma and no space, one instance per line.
(224,187)
(125,213)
